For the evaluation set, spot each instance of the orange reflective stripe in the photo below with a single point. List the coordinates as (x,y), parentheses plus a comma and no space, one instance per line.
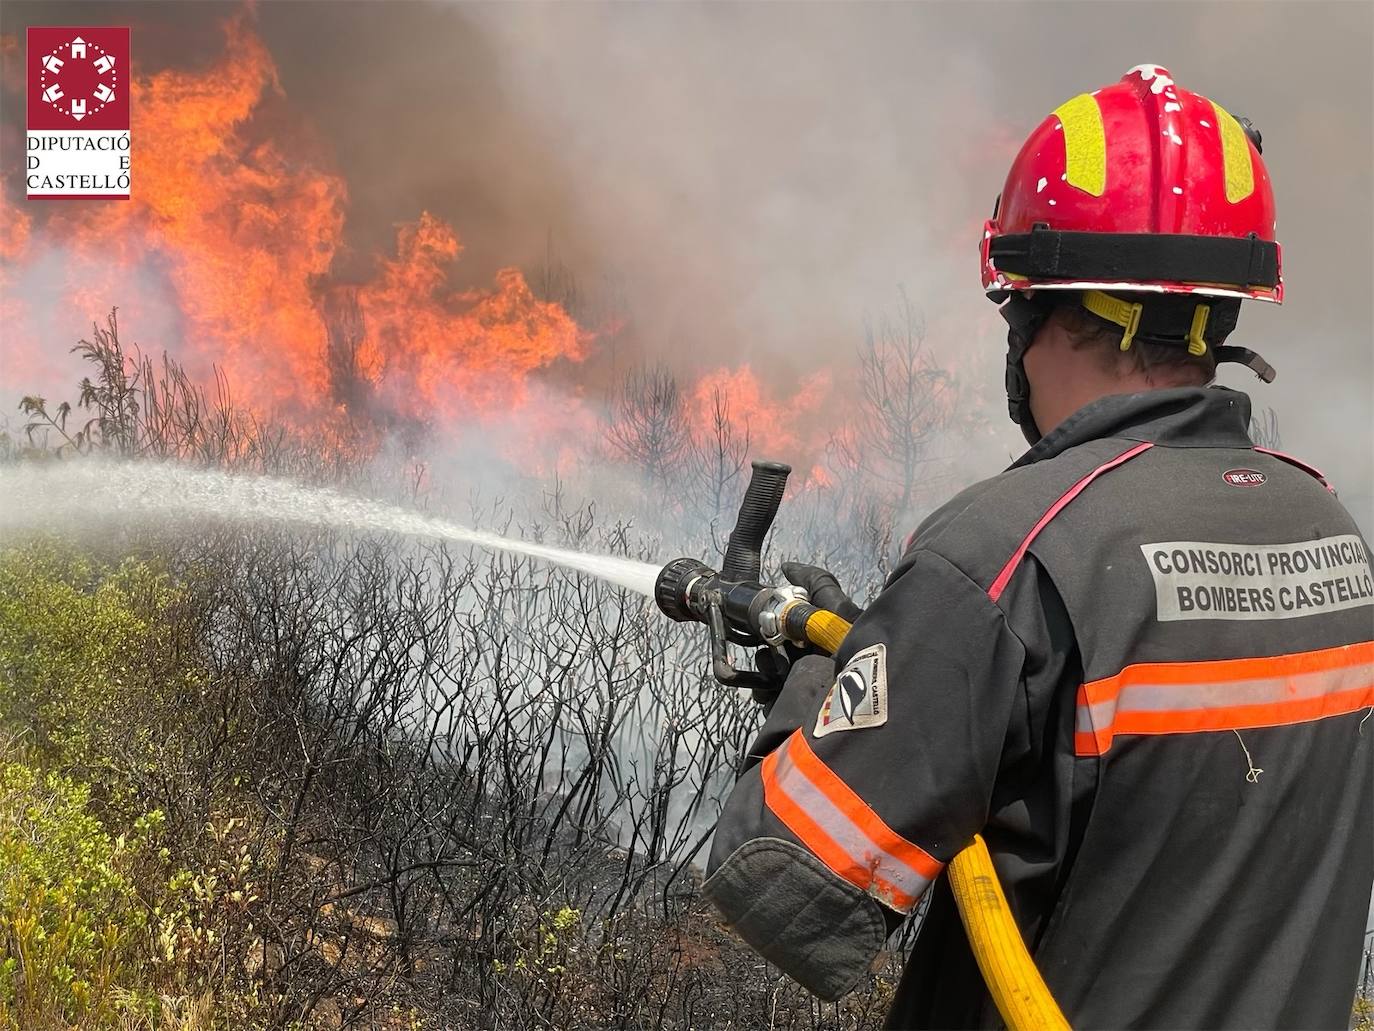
(801,791)
(1231,694)
(1224,670)
(810,833)
(1087,739)
(859,811)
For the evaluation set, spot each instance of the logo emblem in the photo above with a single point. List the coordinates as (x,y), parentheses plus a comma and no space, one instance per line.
(78,111)
(1244,477)
(79,78)
(851,691)
(858,697)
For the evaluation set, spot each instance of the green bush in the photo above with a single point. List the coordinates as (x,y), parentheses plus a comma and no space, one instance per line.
(97,925)
(1362,1018)
(85,660)
(71,920)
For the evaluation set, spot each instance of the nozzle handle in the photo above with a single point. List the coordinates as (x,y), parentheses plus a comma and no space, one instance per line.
(744,552)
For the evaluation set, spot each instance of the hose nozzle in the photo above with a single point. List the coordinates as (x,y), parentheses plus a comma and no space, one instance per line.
(672,589)
(735,607)
(744,552)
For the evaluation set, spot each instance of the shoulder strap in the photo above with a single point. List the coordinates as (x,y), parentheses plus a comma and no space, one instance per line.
(1310,470)
(1004,577)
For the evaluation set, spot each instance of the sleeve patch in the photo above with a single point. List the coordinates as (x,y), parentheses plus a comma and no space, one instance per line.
(857,699)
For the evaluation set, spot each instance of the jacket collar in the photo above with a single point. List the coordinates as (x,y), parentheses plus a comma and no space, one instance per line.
(1178,417)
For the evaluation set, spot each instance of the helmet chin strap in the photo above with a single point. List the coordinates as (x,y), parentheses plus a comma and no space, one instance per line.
(1024,318)
(1018,388)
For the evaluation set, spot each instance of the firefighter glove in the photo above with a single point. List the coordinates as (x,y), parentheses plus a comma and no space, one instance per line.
(823,589)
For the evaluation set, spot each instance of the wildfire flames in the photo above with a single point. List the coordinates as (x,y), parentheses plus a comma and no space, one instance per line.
(224,257)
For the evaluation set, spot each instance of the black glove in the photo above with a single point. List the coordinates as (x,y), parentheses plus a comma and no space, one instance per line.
(822,587)
(776,667)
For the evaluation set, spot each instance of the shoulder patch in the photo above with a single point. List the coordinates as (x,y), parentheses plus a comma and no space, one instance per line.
(858,697)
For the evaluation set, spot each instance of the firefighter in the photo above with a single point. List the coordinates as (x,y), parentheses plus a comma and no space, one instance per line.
(1138,662)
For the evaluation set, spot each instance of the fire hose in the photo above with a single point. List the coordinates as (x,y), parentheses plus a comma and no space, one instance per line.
(738,609)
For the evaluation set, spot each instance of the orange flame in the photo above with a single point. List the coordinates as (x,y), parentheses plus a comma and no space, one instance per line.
(225,256)
(790,427)
(443,346)
(228,242)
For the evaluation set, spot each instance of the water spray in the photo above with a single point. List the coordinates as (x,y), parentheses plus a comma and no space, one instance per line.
(37,495)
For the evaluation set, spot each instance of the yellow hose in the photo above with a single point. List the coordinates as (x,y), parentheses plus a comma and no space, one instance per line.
(1012,978)
(1017,988)
(826,630)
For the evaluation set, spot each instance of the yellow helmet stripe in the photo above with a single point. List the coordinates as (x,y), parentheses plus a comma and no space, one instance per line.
(1235,156)
(1085,143)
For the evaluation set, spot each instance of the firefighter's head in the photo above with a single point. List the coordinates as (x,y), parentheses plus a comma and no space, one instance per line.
(1077,358)
(1138,217)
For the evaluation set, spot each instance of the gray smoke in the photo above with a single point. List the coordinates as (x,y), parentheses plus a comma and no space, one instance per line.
(749,182)
(766,174)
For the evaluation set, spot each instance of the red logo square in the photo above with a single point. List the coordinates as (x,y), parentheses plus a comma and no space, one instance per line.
(78,77)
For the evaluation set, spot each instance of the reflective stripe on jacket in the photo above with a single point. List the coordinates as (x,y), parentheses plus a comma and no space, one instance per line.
(1139,662)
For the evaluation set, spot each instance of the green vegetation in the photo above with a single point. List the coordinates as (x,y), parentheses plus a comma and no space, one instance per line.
(99,926)
(80,645)
(69,909)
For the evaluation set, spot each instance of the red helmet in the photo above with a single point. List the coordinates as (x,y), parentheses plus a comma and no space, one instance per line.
(1139,186)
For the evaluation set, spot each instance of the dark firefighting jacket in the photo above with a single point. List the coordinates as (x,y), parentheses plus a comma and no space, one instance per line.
(1139,662)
